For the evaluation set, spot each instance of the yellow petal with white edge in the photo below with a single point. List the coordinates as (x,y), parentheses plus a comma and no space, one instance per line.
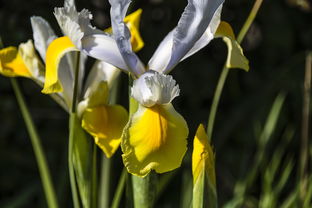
(203,159)
(235,58)
(133,23)
(56,50)
(12,64)
(155,138)
(105,123)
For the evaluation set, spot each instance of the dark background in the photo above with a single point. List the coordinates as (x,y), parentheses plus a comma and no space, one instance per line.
(275,45)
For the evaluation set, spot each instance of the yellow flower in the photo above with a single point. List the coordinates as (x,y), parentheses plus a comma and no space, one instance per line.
(203,159)
(203,169)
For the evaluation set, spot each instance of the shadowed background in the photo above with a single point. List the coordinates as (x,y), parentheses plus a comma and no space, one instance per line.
(275,45)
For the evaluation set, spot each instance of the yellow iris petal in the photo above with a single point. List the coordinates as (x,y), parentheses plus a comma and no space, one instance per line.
(133,23)
(12,64)
(56,50)
(235,58)
(105,123)
(155,138)
(203,159)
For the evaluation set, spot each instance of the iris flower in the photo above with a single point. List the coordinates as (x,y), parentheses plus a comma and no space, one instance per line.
(155,136)
(103,121)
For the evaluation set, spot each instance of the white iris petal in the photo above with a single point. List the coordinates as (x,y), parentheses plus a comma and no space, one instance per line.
(154,88)
(74,24)
(43,35)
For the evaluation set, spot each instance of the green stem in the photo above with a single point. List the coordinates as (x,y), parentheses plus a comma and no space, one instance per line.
(120,189)
(76,85)
(94,178)
(72,178)
(225,70)
(39,153)
(106,162)
(304,151)
(105,182)
(144,190)
(216,99)
(252,15)
(72,124)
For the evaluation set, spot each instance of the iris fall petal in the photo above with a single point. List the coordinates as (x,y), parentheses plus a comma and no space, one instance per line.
(155,138)
(105,123)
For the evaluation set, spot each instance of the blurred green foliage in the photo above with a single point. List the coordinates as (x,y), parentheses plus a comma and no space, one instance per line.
(276,46)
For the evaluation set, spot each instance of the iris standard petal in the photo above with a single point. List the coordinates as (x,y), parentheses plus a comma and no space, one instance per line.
(133,23)
(101,71)
(105,123)
(193,23)
(104,48)
(56,50)
(161,57)
(43,35)
(235,57)
(12,64)
(155,138)
(122,36)
(208,34)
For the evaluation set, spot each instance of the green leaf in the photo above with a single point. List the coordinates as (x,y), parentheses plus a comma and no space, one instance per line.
(81,158)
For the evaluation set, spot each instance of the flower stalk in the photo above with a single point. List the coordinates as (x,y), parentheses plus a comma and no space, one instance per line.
(37,147)
(225,71)
(72,124)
